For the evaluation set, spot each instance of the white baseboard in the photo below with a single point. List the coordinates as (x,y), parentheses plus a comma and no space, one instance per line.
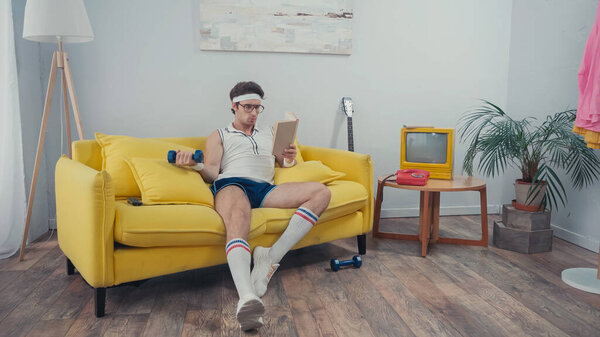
(447,210)
(576,239)
(51,223)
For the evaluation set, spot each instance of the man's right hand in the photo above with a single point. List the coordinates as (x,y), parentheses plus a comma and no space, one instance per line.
(184,158)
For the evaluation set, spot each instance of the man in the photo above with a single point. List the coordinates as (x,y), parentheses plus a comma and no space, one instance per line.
(239,163)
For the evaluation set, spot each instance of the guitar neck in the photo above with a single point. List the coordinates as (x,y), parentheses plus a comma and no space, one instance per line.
(350,135)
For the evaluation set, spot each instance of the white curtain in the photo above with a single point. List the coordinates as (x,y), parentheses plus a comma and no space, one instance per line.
(12,180)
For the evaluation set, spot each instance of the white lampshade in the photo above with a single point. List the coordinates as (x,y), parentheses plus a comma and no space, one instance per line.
(51,20)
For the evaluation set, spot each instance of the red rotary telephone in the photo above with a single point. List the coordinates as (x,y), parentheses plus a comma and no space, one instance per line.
(412,177)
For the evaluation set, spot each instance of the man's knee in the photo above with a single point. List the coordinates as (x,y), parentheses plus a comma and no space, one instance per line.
(238,214)
(321,195)
(325,194)
(319,199)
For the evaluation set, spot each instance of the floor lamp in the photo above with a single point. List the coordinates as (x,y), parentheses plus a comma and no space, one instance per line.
(586,279)
(57,21)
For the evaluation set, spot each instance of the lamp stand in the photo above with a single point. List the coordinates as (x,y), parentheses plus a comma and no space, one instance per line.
(586,279)
(59,60)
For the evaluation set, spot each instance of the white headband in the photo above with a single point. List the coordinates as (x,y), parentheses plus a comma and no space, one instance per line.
(245,97)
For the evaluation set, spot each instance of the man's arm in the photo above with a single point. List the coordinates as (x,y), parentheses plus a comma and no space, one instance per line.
(212,158)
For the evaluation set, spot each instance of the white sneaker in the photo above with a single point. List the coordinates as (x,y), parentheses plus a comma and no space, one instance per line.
(263,270)
(249,311)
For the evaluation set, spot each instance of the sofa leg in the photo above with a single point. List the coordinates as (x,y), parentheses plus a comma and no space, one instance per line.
(70,267)
(99,301)
(362,244)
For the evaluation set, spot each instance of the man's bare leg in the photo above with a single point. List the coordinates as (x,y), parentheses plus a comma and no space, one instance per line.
(234,208)
(311,199)
(312,195)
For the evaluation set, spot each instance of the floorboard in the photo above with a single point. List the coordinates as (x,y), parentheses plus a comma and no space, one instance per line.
(454,291)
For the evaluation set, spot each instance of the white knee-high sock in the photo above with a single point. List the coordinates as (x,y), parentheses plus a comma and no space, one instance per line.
(238,258)
(300,223)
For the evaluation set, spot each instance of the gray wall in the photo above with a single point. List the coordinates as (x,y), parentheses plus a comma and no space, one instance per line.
(546,47)
(31,101)
(413,62)
(418,62)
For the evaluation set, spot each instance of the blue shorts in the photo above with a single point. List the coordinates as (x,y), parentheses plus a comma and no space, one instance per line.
(255,191)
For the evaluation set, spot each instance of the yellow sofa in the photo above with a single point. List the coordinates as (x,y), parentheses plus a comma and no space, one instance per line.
(111,242)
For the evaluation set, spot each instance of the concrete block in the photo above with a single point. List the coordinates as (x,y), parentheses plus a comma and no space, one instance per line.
(523,220)
(522,241)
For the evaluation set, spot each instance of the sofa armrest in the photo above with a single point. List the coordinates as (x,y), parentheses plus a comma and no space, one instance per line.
(358,168)
(85,212)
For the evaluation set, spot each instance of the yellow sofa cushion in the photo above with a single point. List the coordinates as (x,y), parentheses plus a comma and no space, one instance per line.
(163,183)
(117,149)
(346,197)
(338,228)
(193,225)
(312,170)
(133,263)
(173,225)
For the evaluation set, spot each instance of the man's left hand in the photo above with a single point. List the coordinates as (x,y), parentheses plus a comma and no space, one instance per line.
(289,154)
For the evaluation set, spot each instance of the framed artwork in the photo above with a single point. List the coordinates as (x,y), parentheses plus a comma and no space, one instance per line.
(308,26)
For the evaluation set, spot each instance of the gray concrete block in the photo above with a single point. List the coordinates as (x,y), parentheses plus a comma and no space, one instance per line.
(523,220)
(522,241)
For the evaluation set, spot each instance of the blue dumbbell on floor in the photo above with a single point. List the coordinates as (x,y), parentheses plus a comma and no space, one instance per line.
(356,262)
(198,156)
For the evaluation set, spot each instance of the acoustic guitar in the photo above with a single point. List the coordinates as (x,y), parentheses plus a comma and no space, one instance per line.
(348,108)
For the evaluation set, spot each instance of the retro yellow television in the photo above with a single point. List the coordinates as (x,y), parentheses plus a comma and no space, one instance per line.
(428,148)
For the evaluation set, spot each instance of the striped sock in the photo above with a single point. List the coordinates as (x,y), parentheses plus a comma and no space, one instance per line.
(238,258)
(302,221)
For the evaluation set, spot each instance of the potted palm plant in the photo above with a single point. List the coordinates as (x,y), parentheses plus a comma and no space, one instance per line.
(535,148)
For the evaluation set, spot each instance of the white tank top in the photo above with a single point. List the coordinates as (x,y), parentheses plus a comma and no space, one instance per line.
(247,156)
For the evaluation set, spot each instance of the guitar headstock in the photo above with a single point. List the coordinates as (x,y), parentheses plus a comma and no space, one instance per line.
(347,106)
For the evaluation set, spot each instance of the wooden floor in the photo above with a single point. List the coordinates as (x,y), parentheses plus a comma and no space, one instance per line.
(454,291)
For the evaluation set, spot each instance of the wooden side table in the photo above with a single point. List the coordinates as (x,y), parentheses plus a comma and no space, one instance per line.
(429,210)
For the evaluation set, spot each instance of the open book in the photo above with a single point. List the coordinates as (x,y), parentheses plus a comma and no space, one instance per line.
(285,133)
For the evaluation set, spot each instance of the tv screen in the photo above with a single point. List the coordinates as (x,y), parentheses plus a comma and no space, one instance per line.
(426,147)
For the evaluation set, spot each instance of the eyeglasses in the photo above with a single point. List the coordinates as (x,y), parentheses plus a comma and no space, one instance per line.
(250,107)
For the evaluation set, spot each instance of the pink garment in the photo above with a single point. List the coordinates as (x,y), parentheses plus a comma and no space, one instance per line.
(588,108)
